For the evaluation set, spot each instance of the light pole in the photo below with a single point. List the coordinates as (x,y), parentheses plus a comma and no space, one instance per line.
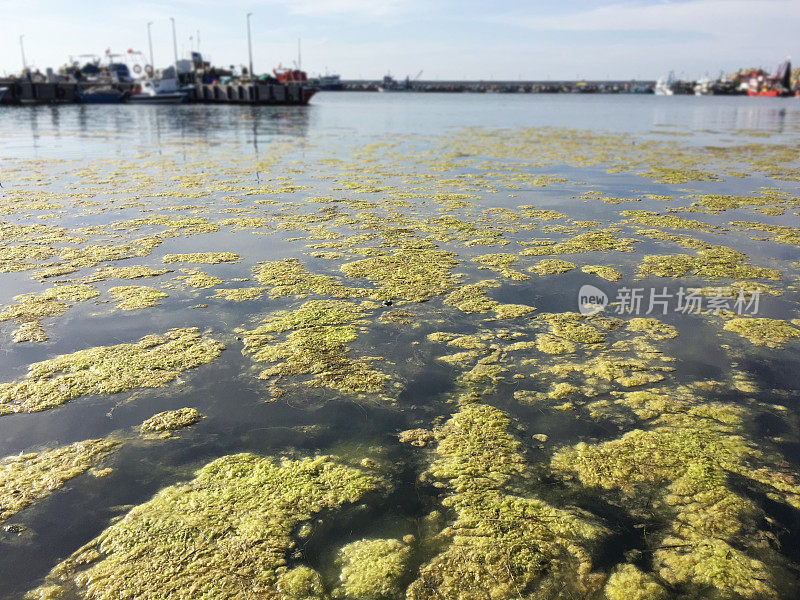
(250,46)
(175,48)
(22,48)
(150,43)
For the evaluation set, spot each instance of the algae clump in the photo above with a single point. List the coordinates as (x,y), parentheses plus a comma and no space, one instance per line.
(552,266)
(170,420)
(154,361)
(133,297)
(371,569)
(26,478)
(226,531)
(773,333)
(501,544)
(319,332)
(608,273)
(31,309)
(414,275)
(209,258)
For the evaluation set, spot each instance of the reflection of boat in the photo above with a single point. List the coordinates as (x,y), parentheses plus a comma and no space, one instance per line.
(101,95)
(158,91)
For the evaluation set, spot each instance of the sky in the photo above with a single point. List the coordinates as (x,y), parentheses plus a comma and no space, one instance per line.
(442,39)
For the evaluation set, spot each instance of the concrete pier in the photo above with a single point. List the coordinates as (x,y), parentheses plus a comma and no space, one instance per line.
(23,92)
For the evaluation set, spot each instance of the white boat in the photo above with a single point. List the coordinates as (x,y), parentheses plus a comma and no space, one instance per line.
(664,85)
(159,91)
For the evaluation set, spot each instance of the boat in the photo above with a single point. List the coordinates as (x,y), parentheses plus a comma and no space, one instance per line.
(101,95)
(760,84)
(390,84)
(3,91)
(285,75)
(158,91)
(330,83)
(664,85)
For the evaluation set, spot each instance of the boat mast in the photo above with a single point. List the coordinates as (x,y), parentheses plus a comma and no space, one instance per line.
(175,47)
(250,46)
(22,48)
(150,43)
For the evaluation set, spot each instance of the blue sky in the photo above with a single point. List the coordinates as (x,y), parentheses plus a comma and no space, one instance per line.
(458,39)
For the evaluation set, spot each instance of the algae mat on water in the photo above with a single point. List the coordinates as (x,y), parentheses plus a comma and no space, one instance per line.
(26,478)
(154,361)
(228,533)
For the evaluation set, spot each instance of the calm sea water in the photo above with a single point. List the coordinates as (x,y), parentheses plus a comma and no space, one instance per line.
(333,126)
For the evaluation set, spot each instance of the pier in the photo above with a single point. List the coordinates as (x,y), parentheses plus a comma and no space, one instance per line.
(24,92)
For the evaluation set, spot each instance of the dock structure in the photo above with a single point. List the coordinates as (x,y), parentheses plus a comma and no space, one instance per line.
(24,92)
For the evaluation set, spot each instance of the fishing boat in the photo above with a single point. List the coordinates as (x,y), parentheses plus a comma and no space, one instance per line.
(664,85)
(761,84)
(390,84)
(330,83)
(285,75)
(158,91)
(101,95)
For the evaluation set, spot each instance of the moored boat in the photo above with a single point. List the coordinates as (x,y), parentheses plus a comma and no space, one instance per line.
(158,91)
(101,95)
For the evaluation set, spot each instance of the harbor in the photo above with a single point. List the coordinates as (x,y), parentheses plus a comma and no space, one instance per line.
(399,301)
(266,94)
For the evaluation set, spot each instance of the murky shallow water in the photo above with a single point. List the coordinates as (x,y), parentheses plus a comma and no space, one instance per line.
(357,176)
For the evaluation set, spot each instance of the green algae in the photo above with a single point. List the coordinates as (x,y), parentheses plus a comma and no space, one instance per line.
(591,241)
(502,262)
(199,279)
(512,311)
(301,583)
(552,344)
(772,333)
(414,275)
(607,273)
(711,263)
(31,309)
(372,569)
(552,266)
(137,272)
(170,420)
(649,219)
(27,478)
(154,361)
(676,471)
(629,583)
(225,534)
(209,258)
(289,277)
(133,297)
(573,327)
(652,328)
(239,294)
(316,344)
(502,543)
(472,298)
